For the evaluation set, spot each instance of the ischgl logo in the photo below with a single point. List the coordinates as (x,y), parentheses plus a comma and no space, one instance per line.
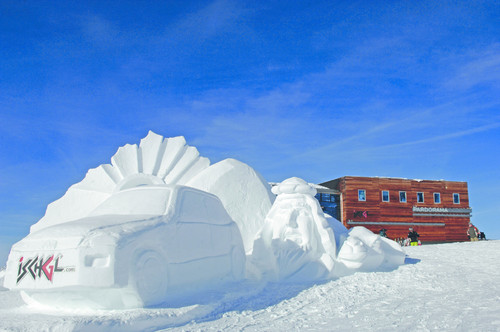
(37,267)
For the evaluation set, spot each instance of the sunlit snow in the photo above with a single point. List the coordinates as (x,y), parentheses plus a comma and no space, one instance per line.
(445,287)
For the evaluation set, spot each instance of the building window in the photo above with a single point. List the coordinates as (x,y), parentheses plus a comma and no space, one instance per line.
(437,198)
(420,197)
(362,195)
(385,195)
(456,198)
(330,204)
(402,196)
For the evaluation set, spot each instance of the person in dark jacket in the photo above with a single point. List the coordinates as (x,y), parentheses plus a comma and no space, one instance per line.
(413,236)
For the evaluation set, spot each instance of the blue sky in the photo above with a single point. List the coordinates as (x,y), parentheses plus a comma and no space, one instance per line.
(317,89)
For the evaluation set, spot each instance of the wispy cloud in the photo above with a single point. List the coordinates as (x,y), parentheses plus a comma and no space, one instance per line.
(210,20)
(477,68)
(99,30)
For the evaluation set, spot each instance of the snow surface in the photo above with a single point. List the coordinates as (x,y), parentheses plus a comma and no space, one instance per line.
(444,287)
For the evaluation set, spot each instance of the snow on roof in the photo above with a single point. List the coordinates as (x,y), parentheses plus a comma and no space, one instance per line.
(391,177)
(318,187)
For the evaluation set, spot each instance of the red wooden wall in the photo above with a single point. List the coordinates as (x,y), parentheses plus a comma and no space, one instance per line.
(395,216)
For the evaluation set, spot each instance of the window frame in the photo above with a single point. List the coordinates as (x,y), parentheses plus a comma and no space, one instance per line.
(423,197)
(406,197)
(364,194)
(388,196)
(439,196)
(458,196)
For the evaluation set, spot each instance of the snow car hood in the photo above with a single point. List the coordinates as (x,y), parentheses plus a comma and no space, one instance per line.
(102,229)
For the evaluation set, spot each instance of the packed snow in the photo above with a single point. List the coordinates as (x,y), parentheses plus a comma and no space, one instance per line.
(445,287)
(243,192)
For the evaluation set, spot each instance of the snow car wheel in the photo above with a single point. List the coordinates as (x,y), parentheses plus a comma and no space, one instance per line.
(150,275)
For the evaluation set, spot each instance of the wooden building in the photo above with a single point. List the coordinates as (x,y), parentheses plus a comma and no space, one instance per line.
(438,210)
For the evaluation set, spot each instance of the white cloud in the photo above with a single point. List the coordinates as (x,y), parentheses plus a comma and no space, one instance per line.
(216,17)
(477,68)
(99,30)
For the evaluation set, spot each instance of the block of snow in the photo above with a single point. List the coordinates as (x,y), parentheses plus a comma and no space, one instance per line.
(243,192)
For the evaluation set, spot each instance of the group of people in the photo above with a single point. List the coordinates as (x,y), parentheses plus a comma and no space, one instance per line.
(412,239)
(474,234)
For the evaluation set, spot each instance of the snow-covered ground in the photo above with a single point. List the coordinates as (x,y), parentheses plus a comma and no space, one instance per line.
(446,287)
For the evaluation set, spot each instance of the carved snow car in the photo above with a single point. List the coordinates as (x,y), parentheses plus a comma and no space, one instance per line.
(137,248)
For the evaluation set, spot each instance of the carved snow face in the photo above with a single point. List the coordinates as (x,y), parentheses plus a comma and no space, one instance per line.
(295,222)
(353,253)
(362,251)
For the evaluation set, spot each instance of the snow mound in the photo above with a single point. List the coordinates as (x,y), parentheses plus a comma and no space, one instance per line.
(243,191)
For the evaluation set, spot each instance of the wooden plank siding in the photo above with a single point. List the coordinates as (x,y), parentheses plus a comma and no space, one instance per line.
(435,222)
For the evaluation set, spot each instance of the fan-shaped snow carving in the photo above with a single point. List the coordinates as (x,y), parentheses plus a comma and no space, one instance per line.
(156,160)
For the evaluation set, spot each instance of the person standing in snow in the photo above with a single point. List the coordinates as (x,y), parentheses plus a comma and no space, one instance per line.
(413,236)
(472,232)
(382,232)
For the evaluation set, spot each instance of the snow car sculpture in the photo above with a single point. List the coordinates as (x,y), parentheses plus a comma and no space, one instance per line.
(130,233)
(246,196)
(135,249)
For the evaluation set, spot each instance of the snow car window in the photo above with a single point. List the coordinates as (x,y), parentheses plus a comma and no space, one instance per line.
(201,208)
(140,201)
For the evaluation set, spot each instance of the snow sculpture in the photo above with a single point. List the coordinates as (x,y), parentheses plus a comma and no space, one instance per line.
(244,193)
(296,242)
(160,223)
(131,233)
(155,161)
(365,251)
(299,242)
(140,247)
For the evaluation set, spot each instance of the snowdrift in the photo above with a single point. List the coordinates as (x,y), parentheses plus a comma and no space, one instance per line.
(161,223)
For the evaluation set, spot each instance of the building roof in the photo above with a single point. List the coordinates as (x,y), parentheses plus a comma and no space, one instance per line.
(319,188)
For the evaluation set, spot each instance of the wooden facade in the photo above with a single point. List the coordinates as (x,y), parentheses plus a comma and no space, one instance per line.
(385,206)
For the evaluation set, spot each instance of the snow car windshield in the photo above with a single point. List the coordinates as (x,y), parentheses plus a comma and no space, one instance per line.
(136,201)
